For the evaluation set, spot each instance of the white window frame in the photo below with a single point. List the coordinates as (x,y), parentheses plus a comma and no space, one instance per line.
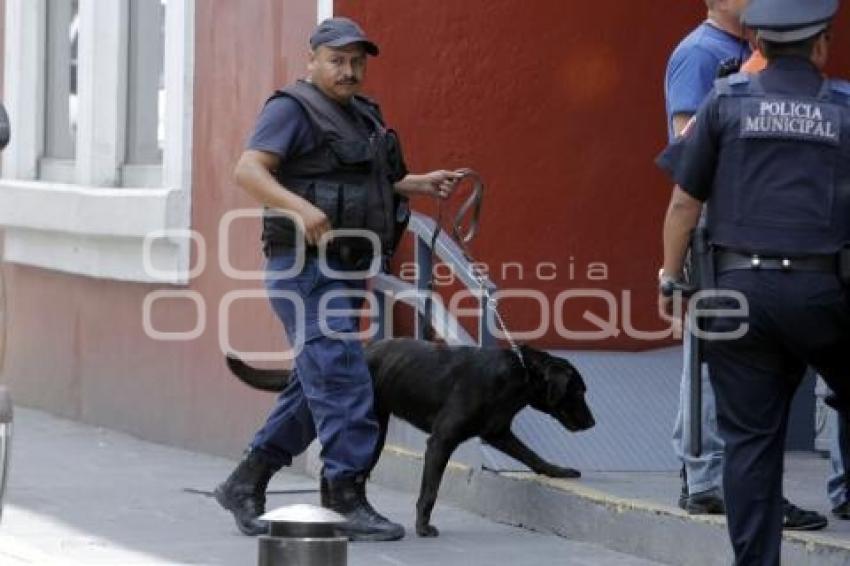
(324,10)
(92,227)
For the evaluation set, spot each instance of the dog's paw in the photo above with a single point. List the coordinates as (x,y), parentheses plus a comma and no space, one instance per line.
(427,531)
(558,472)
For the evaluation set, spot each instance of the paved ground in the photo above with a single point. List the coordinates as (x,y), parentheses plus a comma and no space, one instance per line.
(80,495)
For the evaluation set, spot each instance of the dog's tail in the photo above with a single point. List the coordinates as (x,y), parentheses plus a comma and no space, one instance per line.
(262,379)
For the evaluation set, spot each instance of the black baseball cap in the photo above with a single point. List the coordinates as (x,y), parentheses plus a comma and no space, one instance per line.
(338,32)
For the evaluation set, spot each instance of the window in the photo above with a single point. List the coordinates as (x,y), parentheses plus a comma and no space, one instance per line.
(140,120)
(102,126)
(145,93)
(61,80)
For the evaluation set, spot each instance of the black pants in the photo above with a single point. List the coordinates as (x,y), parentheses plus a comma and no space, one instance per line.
(796,319)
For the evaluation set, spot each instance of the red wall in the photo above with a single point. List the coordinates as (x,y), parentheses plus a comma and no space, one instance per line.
(559,105)
(839,56)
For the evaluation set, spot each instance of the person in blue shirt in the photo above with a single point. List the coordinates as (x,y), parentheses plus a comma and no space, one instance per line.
(691,72)
(718,42)
(693,66)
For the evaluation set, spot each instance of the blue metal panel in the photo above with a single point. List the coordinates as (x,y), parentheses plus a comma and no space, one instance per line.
(407,436)
(634,397)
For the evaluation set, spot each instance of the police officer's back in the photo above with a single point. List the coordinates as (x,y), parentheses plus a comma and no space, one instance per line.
(768,153)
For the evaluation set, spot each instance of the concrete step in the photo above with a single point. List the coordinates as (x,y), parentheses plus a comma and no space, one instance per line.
(630,513)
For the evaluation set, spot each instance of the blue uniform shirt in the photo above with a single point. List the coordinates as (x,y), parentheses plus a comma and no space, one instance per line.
(283,129)
(693,67)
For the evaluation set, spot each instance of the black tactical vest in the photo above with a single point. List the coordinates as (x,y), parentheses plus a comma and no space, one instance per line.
(348,175)
(782,184)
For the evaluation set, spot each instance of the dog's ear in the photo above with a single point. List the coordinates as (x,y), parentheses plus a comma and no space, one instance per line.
(556,375)
(556,387)
(534,360)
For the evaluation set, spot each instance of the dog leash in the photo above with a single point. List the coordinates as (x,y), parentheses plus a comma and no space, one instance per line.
(493,304)
(464,238)
(472,202)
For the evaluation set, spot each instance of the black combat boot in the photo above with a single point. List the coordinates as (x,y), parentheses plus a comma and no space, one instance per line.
(348,498)
(323,493)
(244,493)
(683,494)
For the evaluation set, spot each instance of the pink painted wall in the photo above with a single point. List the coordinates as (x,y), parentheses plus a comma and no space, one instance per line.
(76,344)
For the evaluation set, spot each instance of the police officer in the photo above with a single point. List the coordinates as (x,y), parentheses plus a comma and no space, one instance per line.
(767,153)
(321,159)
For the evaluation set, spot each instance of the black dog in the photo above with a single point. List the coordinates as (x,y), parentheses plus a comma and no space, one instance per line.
(457,393)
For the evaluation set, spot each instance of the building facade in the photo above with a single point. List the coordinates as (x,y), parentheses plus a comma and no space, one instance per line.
(131,259)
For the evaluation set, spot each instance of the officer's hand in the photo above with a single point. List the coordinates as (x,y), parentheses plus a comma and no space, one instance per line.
(441,183)
(315,221)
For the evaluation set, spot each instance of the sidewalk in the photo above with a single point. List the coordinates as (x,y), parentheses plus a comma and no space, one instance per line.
(80,495)
(630,512)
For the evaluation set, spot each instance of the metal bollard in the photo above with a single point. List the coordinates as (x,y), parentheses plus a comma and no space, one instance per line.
(5,441)
(303,535)
(5,130)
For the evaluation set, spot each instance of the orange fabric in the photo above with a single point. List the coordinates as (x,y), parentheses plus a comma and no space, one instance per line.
(755,64)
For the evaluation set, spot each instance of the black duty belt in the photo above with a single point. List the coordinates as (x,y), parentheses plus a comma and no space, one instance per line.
(276,248)
(731,261)
(349,255)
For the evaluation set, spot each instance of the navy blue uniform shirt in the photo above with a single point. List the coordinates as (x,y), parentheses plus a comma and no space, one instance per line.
(692,160)
(283,129)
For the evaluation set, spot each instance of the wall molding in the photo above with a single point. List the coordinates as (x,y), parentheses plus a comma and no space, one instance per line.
(92,228)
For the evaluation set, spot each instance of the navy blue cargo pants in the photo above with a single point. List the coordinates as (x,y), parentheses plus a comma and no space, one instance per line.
(331,390)
(795,319)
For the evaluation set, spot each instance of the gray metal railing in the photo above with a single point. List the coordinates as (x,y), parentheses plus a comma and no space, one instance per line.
(428,305)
